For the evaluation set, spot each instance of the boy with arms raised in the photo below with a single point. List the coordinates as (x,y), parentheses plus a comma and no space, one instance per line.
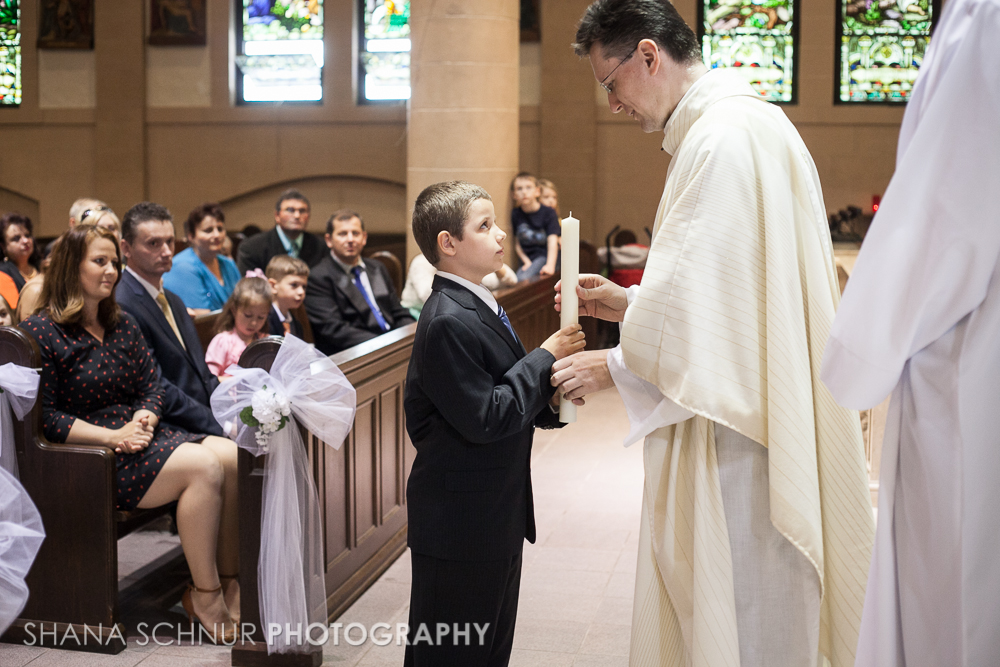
(473,398)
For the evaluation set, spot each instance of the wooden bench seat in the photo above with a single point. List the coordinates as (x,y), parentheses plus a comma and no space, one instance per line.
(74,580)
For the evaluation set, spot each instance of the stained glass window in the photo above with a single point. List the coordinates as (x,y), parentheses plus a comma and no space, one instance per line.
(385,50)
(280,51)
(882,44)
(10,53)
(755,38)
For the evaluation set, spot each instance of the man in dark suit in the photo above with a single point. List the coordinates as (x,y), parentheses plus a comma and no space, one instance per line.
(289,236)
(148,244)
(473,399)
(349,300)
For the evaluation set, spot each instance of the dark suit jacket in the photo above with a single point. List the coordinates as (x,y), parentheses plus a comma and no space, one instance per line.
(187,382)
(339,315)
(472,400)
(257,251)
(275,327)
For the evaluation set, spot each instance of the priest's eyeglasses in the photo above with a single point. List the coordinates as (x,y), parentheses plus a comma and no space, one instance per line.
(607,87)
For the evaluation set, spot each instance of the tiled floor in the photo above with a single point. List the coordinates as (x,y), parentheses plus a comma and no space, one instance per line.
(577,583)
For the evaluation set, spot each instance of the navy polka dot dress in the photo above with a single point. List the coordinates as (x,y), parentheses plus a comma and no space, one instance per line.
(104,384)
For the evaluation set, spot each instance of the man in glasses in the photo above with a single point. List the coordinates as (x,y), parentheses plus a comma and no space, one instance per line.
(289,236)
(757,527)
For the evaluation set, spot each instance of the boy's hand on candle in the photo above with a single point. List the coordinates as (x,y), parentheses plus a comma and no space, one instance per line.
(599,297)
(565,342)
(581,374)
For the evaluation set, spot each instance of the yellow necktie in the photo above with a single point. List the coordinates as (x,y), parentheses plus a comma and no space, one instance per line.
(161,299)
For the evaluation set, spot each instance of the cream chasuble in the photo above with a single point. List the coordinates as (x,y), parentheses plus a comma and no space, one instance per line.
(730,323)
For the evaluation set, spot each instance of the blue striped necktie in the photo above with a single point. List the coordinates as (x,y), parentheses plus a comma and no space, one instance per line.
(506,321)
(368,299)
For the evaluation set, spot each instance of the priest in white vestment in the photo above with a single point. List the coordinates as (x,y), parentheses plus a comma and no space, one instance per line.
(921,319)
(756,526)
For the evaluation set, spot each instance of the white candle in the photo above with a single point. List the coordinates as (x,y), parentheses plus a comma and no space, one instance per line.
(569,314)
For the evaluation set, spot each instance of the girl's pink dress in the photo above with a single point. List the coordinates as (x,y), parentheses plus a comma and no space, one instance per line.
(225,350)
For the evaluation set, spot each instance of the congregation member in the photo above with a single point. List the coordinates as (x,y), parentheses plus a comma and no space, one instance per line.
(8,291)
(99,386)
(84,207)
(920,320)
(242,321)
(473,399)
(350,300)
(202,276)
(147,243)
(289,236)
(549,196)
(536,229)
(6,313)
(757,525)
(288,278)
(420,281)
(84,211)
(20,256)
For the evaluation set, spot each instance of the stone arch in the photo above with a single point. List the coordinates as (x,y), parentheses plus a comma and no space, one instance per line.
(382,203)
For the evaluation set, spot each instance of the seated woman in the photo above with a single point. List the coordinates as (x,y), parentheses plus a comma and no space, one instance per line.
(19,252)
(202,276)
(99,386)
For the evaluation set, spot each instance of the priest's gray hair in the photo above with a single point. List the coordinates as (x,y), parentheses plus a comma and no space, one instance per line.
(619,25)
(443,207)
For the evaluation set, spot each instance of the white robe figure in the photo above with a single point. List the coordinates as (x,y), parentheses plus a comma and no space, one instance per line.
(921,319)
(757,525)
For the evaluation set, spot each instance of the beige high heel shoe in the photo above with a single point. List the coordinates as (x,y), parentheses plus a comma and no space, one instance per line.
(234,610)
(229,635)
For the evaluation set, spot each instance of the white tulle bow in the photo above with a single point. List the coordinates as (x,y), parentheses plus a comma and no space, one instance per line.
(18,390)
(291,572)
(21,531)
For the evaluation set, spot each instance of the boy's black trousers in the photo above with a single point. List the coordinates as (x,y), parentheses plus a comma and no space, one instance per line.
(449,598)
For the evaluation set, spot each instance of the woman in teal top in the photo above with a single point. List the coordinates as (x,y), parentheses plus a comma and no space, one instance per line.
(201,275)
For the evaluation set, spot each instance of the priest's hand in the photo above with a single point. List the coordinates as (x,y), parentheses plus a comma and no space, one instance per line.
(582,373)
(599,297)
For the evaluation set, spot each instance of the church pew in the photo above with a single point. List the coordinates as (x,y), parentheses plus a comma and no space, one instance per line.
(361,486)
(74,579)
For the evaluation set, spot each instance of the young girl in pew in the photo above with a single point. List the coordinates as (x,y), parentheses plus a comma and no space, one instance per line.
(241,323)
(6,314)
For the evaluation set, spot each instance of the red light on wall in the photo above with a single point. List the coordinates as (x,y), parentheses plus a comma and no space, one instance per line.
(876,200)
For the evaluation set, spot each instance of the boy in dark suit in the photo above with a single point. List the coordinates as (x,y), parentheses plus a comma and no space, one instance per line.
(473,398)
(287,276)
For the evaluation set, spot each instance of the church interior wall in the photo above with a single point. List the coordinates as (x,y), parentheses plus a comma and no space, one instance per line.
(81,131)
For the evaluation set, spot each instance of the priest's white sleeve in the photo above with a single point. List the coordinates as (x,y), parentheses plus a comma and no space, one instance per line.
(647,408)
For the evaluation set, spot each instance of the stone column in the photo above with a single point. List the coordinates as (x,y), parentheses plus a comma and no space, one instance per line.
(462,120)
(568,154)
(120,115)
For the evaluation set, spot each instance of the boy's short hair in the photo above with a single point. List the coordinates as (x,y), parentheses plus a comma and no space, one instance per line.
(443,207)
(343,214)
(524,174)
(285,265)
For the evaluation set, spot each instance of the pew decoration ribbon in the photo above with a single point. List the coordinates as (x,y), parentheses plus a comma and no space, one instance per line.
(304,387)
(18,390)
(21,531)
